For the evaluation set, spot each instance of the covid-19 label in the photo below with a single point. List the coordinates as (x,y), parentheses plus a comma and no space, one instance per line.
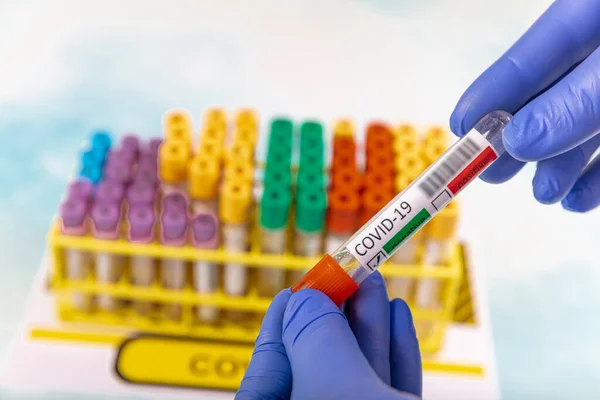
(420,201)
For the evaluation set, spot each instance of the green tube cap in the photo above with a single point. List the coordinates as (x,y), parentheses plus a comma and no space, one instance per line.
(312,157)
(282,130)
(275,207)
(311,133)
(277,177)
(310,179)
(310,210)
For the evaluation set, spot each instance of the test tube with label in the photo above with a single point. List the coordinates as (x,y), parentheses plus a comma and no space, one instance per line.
(235,200)
(339,275)
(205,235)
(141,219)
(311,204)
(203,184)
(73,223)
(173,270)
(274,211)
(106,218)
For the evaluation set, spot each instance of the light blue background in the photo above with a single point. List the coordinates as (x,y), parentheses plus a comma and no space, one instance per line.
(69,67)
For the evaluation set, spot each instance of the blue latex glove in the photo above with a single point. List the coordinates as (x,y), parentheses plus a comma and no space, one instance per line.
(550,80)
(309,349)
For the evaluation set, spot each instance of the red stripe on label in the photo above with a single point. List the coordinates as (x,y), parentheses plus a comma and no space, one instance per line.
(472,171)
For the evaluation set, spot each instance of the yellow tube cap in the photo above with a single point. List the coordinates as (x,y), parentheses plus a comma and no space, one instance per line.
(245,134)
(239,151)
(173,157)
(203,173)
(240,170)
(445,224)
(210,147)
(216,118)
(409,164)
(437,134)
(343,128)
(432,150)
(246,118)
(235,199)
(178,126)
(405,144)
(405,131)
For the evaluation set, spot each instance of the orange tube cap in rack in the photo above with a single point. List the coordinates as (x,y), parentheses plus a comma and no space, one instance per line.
(342,216)
(346,177)
(328,277)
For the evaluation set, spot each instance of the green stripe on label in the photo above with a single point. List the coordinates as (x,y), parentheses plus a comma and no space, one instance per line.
(413,225)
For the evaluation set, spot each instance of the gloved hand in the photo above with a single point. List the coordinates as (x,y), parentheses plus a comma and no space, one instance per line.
(308,349)
(550,80)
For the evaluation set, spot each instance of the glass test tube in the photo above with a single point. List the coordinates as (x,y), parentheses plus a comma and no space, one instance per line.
(73,217)
(141,219)
(106,218)
(311,204)
(205,235)
(339,274)
(274,211)
(173,272)
(235,200)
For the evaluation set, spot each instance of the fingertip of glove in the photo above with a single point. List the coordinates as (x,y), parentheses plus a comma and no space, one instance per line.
(578,200)
(457,118)
(402,319)
(546,192)
(522,138)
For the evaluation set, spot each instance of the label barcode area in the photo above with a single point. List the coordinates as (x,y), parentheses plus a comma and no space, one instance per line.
(438,177)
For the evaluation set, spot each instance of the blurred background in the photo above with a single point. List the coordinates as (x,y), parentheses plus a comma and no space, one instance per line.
(68,67)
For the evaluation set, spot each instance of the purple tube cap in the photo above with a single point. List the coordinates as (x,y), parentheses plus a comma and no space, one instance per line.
(141,220)
(110,192)
(120,155)
(141,193)
(81,189)
(118,171)
(154,145)
(146,174)
(205,230)
(72,212)
(105,216)
(174,223)
(175,201)
(131,143)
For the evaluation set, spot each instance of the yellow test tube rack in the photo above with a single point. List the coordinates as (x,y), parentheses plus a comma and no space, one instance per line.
(225,337)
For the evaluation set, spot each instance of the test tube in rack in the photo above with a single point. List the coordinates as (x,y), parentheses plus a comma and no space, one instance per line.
(235,200)
(173,163)
(78,267)
(141,218)
(174,223)
(203,183)
(274,211)
(311,204)
(106,218)
(205,235)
